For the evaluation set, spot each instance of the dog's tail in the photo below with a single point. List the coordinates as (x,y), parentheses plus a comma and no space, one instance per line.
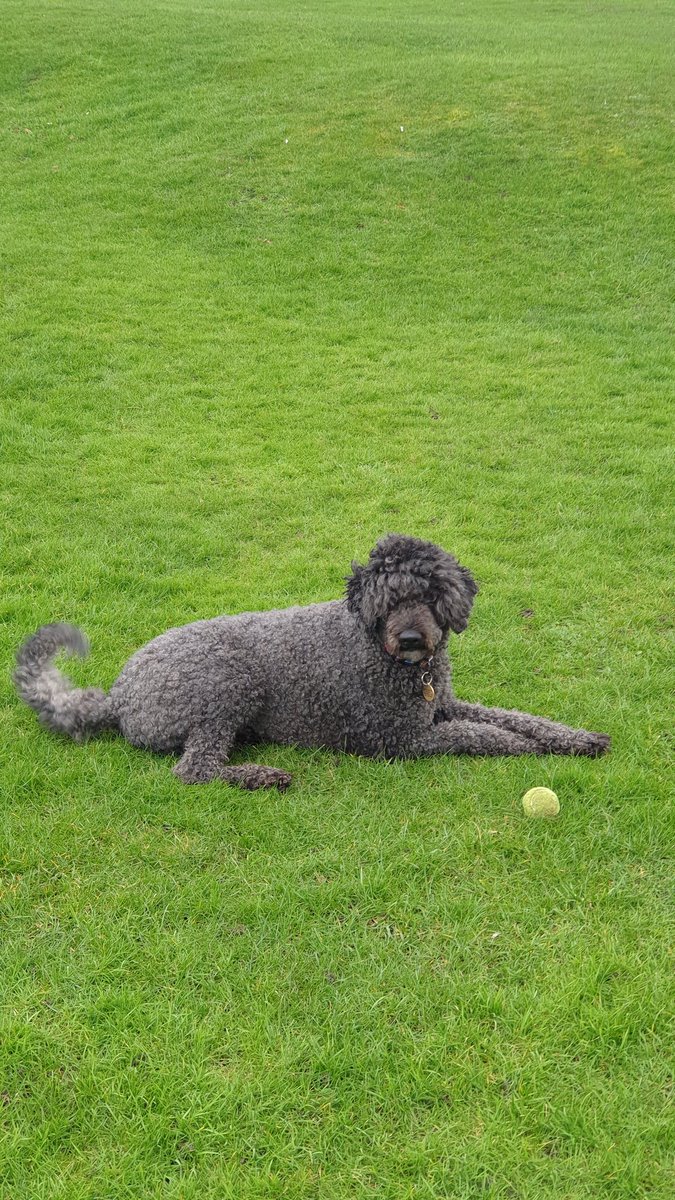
(60,706)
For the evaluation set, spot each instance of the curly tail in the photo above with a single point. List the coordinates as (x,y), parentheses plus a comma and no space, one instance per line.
(60,706)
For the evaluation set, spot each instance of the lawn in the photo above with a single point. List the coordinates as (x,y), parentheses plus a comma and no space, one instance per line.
(280,276)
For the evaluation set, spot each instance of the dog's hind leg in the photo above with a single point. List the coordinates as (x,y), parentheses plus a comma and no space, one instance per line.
(205,758)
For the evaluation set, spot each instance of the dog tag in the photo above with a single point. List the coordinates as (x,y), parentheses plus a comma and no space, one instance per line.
(428,691)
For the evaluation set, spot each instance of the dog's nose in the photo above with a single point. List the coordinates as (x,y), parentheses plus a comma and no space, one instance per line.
(411,639)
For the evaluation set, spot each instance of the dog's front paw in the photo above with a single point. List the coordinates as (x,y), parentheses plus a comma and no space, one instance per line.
(594,745)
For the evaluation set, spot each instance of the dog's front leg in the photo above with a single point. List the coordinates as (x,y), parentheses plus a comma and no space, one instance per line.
(473,737)
(553,737)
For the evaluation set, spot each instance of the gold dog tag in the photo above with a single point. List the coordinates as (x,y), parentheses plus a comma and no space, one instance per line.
(428,691)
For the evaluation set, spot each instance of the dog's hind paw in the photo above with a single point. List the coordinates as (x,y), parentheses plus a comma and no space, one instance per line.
(251,776)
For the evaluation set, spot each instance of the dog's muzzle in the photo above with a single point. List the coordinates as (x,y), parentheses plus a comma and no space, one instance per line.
(411,645)
(411,639)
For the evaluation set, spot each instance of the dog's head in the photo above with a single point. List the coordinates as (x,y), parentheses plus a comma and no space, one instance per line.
(411,594)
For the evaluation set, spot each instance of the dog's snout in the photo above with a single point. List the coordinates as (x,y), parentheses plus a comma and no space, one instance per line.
(411,639)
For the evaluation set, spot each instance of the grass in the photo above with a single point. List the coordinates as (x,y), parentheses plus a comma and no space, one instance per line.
(279,277)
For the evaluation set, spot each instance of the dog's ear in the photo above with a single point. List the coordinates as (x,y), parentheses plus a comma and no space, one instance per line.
(365,594)
(456,597)
(353,582)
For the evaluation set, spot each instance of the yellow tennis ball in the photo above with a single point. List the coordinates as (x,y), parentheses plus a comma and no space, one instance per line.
(541,802)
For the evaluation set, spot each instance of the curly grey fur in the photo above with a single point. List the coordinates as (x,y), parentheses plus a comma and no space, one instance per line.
(326,675)
(60,706)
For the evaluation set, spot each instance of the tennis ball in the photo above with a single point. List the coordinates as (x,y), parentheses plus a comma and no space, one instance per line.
(541,802)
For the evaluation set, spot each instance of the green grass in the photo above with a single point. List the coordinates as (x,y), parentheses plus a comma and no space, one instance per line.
(251,324)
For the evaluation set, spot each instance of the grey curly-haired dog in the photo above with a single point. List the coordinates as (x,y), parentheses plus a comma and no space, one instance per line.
(368,674)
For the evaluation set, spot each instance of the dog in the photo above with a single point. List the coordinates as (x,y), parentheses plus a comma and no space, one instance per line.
(368,674)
